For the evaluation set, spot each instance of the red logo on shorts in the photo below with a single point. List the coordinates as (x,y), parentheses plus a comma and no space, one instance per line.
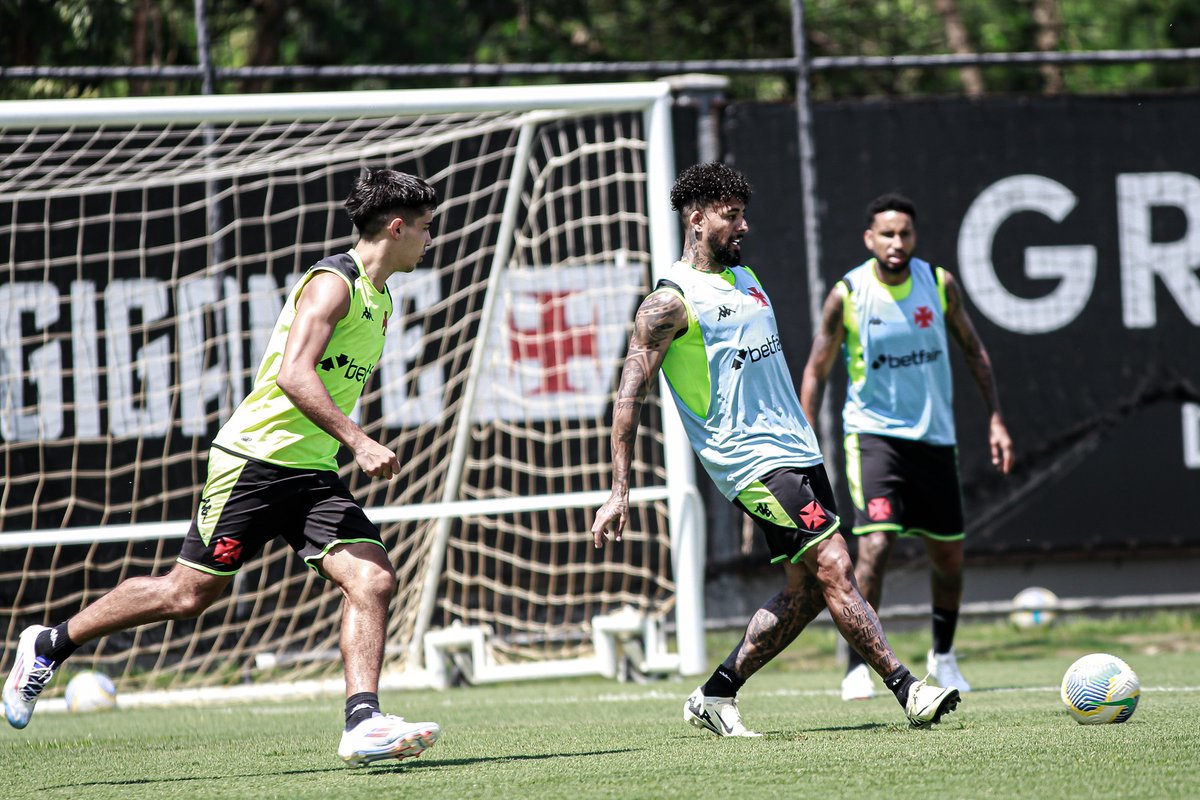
(879,508)
(812,515)
(227,550)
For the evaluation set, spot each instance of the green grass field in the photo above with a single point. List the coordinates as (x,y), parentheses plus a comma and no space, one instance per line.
(591,738)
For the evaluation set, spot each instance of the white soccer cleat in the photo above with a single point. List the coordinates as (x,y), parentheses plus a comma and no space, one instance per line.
(27,678)
(857,685)
(382,737)
(943,668)
(719,715)
(927,704)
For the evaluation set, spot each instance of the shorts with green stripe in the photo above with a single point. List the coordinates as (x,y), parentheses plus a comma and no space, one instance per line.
(247,503)
(794,507)
(906,487)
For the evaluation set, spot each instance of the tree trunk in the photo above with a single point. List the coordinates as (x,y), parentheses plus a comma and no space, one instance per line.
(1047,18)
(268,31)
(141,22)
(960,43)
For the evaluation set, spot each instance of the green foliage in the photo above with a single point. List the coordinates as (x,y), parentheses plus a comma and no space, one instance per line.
(486,32)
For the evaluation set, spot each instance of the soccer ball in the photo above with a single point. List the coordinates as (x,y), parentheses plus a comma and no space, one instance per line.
(91,691)
(1099,689)
(1033,608)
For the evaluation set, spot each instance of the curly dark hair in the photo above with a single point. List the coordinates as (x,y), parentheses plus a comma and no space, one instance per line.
(703,184)
(892,201)
(379,193)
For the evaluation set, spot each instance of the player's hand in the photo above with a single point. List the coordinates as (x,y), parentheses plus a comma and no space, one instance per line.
(1001,444)
(376,460)
(611,519)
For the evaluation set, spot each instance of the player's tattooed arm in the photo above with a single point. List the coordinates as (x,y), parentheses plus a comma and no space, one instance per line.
(980,366)
(776,625)
(661,317)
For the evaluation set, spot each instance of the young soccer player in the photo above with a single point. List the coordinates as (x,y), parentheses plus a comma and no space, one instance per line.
(272,471)
(892,314)
(711,328)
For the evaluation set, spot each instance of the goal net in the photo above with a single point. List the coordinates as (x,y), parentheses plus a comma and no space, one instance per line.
(149,245)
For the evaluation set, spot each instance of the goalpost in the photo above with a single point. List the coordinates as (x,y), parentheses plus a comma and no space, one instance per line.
(149,244)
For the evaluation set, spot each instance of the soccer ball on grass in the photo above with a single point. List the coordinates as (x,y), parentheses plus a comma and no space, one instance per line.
(91,691)
(1033,608)
(1099,689)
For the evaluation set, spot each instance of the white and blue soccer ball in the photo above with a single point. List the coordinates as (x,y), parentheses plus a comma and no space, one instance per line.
(91,691)
(1099,689)
(1034,607)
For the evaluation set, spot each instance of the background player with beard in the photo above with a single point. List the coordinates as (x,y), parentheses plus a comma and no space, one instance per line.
(889,317)
(746,425)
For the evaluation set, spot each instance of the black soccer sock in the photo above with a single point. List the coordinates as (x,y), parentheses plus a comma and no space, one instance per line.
(361,706)
(900,681)
(723,683)
(54,644)
(945,622)
(853,659)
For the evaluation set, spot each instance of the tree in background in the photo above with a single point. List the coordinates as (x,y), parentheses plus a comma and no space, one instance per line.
(364,32)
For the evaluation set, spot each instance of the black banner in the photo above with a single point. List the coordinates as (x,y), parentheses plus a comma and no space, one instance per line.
(1073,225)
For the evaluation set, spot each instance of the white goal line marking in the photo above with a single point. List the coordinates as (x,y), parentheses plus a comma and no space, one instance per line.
(209,697)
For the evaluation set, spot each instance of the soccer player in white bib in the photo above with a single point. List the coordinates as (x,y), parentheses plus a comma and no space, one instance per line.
(710,326)
(889,318)
(272,471)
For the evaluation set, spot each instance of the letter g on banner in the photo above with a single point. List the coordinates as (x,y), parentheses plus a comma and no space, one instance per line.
(1073,265)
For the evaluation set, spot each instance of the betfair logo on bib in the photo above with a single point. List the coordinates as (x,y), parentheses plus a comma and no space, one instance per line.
(913,359)
(351,370)
(757,353)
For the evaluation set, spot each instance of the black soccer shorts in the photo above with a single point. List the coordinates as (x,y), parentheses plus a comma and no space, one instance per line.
(906,487)
(794,507)
(247,503)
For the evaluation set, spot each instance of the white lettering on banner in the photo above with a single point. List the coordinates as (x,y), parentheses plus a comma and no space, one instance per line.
(1191,435)
(555,341)
(146,412)
(1142,259)
(1073,265)
(233,350)
(198,385)
(85,359)
(404,347)
(45,365)
(266,303)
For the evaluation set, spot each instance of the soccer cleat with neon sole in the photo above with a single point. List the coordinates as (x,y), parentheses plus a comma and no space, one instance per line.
(28,677)
(382,737)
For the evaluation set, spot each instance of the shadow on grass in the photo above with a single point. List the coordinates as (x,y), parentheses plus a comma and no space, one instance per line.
(792,733)
(866,726)
(378,768)
(388,769)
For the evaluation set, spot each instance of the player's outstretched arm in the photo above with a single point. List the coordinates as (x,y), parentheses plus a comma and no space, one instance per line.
(980,365)
(661,317)
(825,348)
(322,303)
